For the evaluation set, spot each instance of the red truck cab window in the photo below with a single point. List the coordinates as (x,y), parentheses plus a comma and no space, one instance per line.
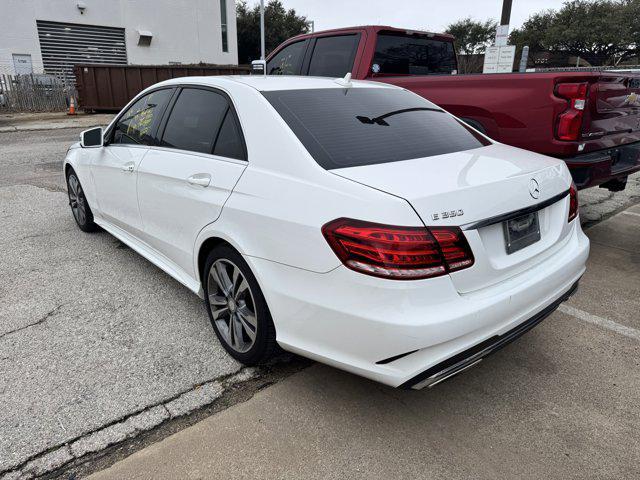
(288,60)
(412,54)
(333,55)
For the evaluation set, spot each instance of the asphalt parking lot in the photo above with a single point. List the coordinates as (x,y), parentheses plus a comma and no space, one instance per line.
(97,345)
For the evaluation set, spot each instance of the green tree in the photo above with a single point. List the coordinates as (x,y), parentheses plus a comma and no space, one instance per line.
(533,32)
(280,24)
(472,36)
(603,32)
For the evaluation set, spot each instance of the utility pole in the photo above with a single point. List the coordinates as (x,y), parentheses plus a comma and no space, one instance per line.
(499,57)
(502,32)
(261,29)
(506,12)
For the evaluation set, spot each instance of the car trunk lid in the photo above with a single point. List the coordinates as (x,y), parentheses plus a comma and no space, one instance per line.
(468,187)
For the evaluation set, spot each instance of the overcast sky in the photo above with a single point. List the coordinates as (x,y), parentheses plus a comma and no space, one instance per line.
(431,15)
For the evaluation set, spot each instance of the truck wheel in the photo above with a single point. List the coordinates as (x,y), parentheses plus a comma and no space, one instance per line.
(615,185)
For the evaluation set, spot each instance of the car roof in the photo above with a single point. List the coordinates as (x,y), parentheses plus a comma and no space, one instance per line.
(271,82)
(374,29)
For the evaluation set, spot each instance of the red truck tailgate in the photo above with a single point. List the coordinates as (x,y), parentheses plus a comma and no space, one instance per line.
(615,109)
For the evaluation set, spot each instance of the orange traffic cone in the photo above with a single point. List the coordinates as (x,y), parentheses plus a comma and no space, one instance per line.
(72,106)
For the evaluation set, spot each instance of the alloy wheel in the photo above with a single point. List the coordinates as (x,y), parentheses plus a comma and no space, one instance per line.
(232,305)
(77,200)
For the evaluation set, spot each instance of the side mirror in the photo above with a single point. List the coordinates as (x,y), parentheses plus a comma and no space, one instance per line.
(259,67)
(91,138)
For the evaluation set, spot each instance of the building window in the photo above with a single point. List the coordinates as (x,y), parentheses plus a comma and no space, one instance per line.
(223,25)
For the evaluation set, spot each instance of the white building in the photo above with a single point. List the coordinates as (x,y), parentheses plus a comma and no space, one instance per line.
(51,36)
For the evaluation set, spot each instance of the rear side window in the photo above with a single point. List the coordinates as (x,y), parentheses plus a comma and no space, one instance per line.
(195,120)
(204,121)
(229,142)
(333,56)
(137,126)
(287,61)
(401,54)
(365,126)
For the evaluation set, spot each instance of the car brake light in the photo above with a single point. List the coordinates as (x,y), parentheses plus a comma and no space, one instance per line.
(573,202)
(570,121)
(401,253)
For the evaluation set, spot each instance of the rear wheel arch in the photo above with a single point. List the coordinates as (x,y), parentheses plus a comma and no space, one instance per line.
(203,252)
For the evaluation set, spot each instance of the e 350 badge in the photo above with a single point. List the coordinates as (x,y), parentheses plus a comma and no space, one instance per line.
(449,214)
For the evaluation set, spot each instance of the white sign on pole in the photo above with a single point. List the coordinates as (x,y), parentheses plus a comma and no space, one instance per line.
(499,59)
(492,68)
(502,35)
(506,55)
(491,55)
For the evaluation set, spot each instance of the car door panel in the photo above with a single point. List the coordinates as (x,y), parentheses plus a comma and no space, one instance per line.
(174,206)
(114,167)
(114,172)
(184,183)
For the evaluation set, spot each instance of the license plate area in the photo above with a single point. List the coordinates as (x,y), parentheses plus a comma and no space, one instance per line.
(520,232)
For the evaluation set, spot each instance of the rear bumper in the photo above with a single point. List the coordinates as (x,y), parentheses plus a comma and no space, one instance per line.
(392,331)
(464,360)
(596,168)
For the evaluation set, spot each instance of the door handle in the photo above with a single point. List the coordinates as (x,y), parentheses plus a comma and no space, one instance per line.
(201,179)
(128,167)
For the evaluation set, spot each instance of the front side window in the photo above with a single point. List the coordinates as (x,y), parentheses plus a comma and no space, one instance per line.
(137,126)
(333,56)
(365,126)
(402,54)
(287,61)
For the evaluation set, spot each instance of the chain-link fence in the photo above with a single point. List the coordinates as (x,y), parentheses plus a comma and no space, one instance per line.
(34,93)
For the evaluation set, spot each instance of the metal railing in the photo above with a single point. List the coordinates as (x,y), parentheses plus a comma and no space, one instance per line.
(617,68)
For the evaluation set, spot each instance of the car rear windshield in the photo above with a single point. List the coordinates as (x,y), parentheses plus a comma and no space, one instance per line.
(366,126)
(402,54)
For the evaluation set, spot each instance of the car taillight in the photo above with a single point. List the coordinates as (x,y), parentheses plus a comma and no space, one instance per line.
(401,253)
(570,121)
(573,202)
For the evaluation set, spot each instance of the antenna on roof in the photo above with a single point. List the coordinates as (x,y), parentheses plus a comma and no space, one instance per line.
(345,81)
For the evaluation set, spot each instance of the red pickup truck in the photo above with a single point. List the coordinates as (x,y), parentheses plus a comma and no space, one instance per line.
(591,120)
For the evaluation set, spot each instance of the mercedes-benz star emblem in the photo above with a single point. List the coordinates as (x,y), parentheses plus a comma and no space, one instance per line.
(534,188)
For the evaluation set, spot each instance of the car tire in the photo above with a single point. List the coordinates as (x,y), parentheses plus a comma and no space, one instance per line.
(78,203)
(237,310)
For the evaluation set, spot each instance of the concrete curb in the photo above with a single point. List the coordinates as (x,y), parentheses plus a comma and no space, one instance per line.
(45,126)
(126,428)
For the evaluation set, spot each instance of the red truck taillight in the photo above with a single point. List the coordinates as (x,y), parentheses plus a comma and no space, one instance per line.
(400,253)
(570,121)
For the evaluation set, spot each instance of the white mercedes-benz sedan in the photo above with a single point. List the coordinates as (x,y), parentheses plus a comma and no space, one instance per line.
(354,223)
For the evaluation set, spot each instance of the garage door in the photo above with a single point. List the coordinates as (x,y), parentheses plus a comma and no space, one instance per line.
(65,44)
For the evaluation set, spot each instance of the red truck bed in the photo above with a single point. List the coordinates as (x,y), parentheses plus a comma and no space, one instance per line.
(591,120)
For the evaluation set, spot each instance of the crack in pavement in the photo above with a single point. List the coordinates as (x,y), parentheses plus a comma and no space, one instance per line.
(613,246)
(44,318)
